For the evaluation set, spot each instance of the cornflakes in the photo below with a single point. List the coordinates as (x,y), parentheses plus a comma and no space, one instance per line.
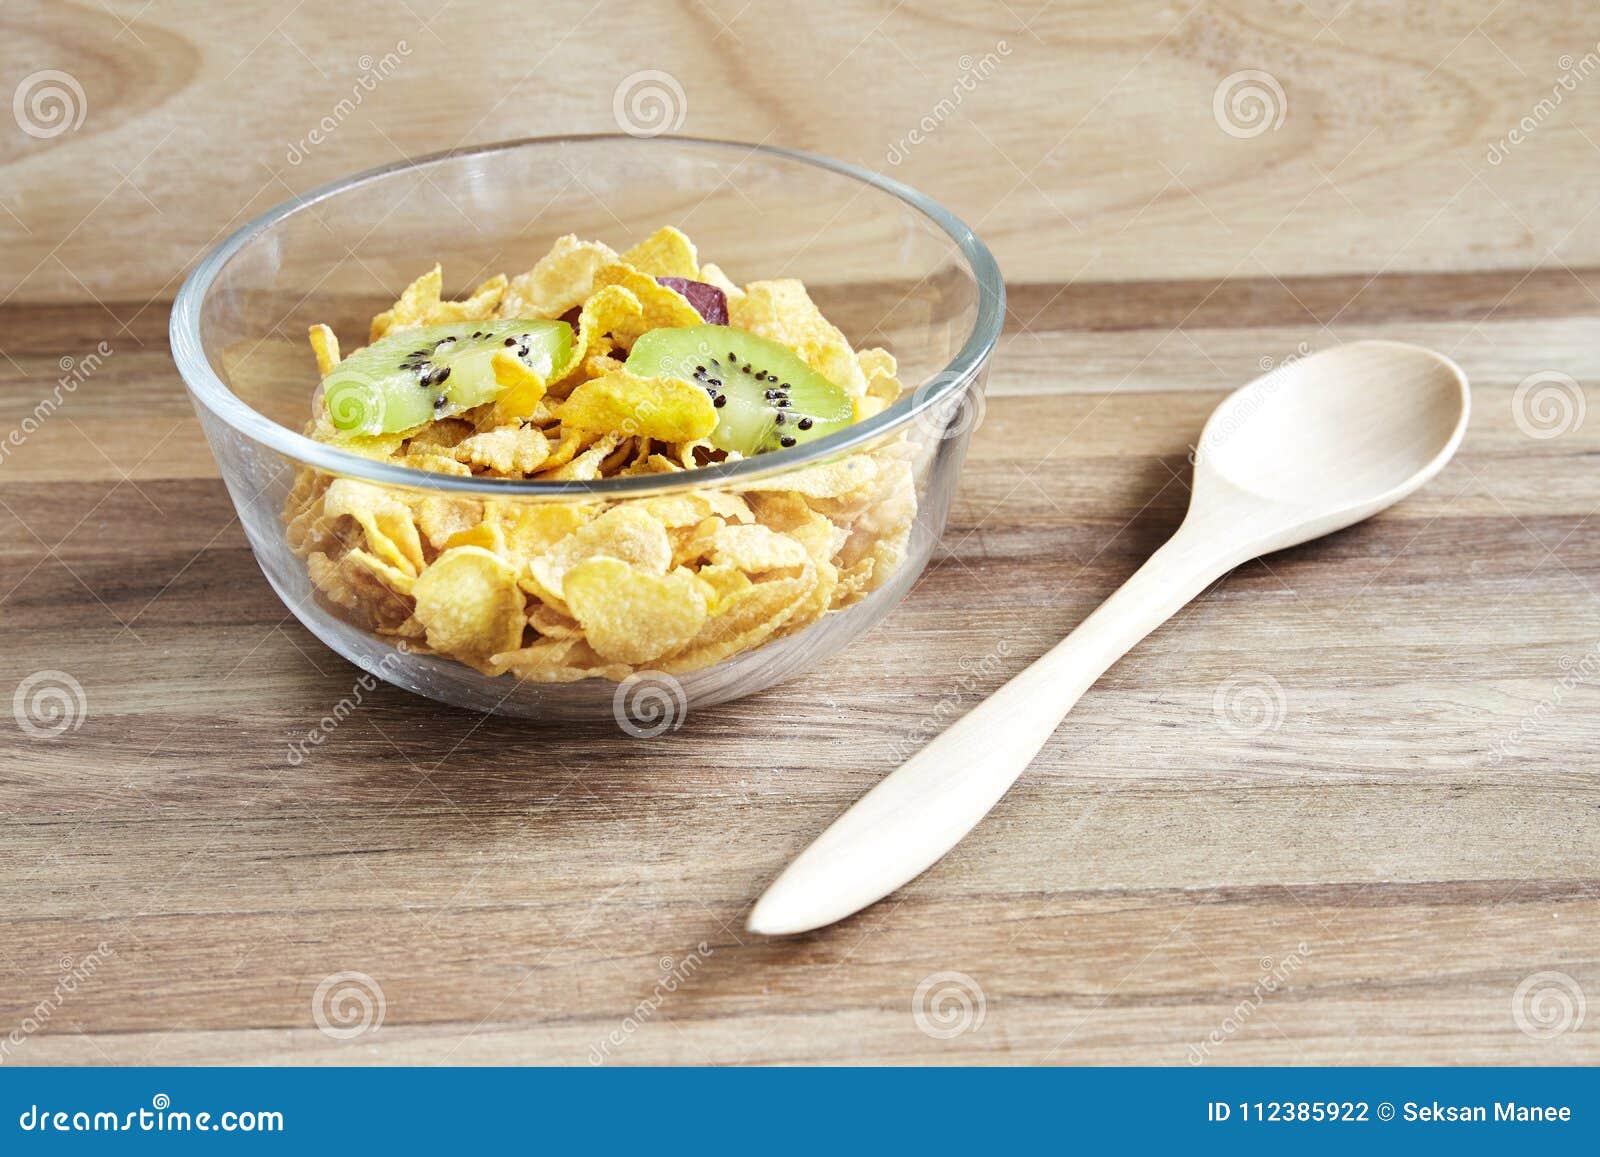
(559,590)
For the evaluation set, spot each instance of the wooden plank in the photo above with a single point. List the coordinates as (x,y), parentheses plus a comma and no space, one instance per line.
(1088,145)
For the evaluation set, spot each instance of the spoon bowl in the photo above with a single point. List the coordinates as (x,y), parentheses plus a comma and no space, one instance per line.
(1307,449)
(1324,441)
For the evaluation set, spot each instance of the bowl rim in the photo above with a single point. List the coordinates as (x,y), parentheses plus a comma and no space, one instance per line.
(211,392)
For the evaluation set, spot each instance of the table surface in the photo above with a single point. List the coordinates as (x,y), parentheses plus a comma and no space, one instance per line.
(1342,809)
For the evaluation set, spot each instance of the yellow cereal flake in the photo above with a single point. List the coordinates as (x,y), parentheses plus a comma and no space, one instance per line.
(382,593)
(662,307)
(379,447)
(670,409)
(384,519)
(446,433)
(790,514)
(420,304)
(665,253)
(655,464)
(756,549)
(524,389)
(633,616)
(868,406)
(552,624)
(599,365)
(439,518)
(488,535)
(559,661)
(855,583)
(480,306)
(692,544)
(876,361)
(624,532)
(469,604)
(609,309)
(507,450)
(563,278)
(586,466)
(531,529)
(721,583)
(748,619)
(412,306)
(783,311)
(675,510)
(438,463)
(828,480)
(325,344)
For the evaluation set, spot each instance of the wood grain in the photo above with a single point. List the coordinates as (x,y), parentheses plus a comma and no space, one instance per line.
(1422,818)
(1088,146)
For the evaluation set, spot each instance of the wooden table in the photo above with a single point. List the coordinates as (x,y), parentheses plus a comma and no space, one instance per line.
(1342,810)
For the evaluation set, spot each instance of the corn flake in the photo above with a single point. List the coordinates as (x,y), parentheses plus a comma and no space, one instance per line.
(756,549)
(469,604)
(747,619)
(783,311)
(325,344)
(586,466)
(420,304)
(665,253)
(670,409)
(561,279)
(678,581)
(632,616)
(662,307)
(507,450)
(385,520)
(625,533)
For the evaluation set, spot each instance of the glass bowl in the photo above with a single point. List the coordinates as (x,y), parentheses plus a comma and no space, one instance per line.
(885,264)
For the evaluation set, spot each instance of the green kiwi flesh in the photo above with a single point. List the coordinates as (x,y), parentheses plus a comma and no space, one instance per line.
(766,397)
(412,377)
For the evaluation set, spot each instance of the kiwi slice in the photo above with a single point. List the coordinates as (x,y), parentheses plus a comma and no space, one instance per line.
(768,398)
(412,377)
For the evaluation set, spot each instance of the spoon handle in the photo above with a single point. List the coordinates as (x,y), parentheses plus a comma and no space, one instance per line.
(924,808)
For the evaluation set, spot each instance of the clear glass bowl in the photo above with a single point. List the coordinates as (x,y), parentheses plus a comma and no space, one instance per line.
(885,264)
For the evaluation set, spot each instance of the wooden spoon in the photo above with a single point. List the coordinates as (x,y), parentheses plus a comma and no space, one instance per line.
(1312,447)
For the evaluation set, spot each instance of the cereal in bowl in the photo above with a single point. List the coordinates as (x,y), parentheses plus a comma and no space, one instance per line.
(594,365)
